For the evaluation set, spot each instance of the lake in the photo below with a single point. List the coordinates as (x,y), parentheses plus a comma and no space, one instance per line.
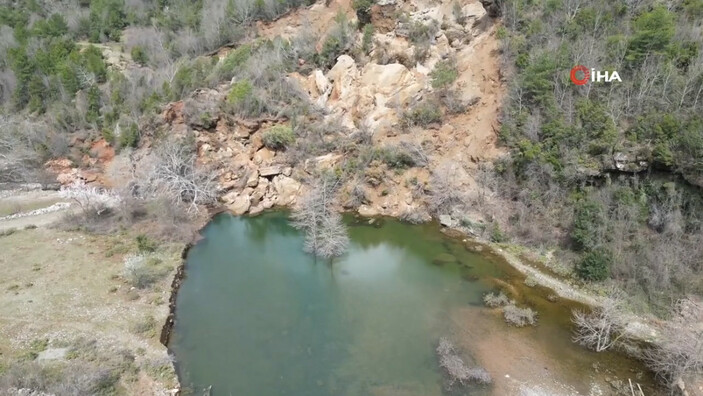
(255,315)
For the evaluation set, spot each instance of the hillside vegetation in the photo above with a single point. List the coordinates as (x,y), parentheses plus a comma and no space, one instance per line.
(609,171)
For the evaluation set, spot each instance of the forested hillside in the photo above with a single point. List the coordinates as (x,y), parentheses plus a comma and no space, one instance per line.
(610,171)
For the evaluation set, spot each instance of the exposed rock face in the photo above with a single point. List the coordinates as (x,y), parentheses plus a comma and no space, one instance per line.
(631,159)
(367,98)
(628,163)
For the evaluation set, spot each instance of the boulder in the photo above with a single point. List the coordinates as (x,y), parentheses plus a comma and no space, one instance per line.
(321,82)
(367,211)
(386,79)
(201,110)
(255,210)
(263,156)
(256,142)
(446,220)
(253,179)
(286,188)
(267,203)
(272,170)
(240,204)
(473,11)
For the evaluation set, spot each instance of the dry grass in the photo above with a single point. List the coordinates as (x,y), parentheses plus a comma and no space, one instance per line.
(63,287)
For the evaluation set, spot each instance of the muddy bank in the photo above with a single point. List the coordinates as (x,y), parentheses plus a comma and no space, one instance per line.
(175,285)
(180,276)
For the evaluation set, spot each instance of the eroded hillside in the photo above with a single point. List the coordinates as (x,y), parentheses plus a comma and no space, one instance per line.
(381,119)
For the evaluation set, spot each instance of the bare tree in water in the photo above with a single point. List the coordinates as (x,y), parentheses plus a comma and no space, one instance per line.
(603,327)
(325,234)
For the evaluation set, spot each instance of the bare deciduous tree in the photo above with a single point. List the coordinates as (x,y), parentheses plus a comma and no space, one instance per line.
(325,234)
(603,327)
(680,350)
(172,172)
(93,201)
(17,158)
(444,194)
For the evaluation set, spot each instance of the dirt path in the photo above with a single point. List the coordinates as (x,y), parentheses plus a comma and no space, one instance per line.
(20,209)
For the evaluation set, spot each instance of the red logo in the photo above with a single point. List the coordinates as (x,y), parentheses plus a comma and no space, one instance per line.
(586,75)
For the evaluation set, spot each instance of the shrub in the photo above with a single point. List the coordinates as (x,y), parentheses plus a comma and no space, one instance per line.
(141,272)
(236,58)
(72,377)
(367,38)
(396,157)
(595,265)
(336,43)
(538,79)
(242,99)
(678,353)
(444,74)
(419,33)
(93,202)
(139,55)
(92,114)
(145,327)
(455,367)
(653,33)
(597,125)
(278,137)
(497,235)
(107,18)
(240,91)
(530,281)
(7,232)
(519,317)
(130,136)
(423,114)
(363,10)
(144,244)
(493,300)
(588,218)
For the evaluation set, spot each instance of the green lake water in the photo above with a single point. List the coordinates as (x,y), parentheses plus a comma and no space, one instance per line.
(257,316)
